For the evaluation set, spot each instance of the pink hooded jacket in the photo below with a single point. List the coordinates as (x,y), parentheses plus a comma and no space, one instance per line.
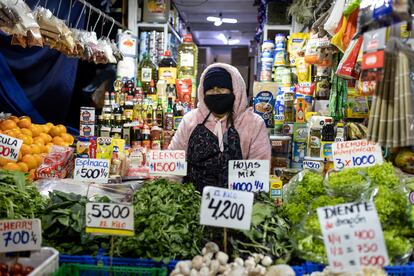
(254,139)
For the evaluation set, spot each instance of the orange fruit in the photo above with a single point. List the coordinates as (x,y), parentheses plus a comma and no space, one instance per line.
(31,175)
(45,149)
(62,129)
(58,140)
(19,156)
(67,138)
(39,140)
(30,161)
(55,131)
(3,161)
(8,125)
(11,167)
(36,149)
(14,119)
(25,122)
(26,139)
(25,149)
(36,130)
(39,159)
(23,167)
(27,132)
(46,137)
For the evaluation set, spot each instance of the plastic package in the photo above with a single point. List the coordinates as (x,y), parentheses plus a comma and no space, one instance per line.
(295,45)
(351,184)
(335,17)
(57,164)
(347,67)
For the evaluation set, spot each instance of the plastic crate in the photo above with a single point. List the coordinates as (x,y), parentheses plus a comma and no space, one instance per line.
(312,267)
(73,259)
(45,262)
(299,270)
(400,270)
(93,270)
(104,260)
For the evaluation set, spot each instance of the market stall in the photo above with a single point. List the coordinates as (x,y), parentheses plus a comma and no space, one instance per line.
(336,198)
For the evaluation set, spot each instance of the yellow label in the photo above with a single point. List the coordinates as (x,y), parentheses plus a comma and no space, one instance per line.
(107,231)
(104,148)
(168,73)
(118,145)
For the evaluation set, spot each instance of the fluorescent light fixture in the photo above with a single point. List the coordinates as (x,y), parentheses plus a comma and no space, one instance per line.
(234,41)
(212,19)
(218,23)
(230,20)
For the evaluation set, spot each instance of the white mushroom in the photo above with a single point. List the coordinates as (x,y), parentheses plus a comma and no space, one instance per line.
(280,270)
(184,267)
(239,261)
(207,258)
(250,263)
(197,262)
(194,272)
(222,268)
(214,267)
(175,272)
(239,270)
(204,271)
(267,261)
(222,257)
(212,247)
(204,251)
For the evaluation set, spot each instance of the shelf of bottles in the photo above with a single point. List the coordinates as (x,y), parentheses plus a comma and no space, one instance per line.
(146,112)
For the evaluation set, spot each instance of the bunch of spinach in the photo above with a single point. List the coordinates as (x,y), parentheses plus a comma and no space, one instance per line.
(268,235)
(63,224)
(18,199)
(166,222)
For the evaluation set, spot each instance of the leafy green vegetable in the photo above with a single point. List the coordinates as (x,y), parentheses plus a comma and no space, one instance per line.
(18,199)
(63,224)
(269,234)
(166,222)
(349,183)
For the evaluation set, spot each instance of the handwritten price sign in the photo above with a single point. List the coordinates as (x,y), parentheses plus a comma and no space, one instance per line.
(91,170)
(226,208)
(167,162)
(359,153)
(10,147)
(20,235)
(352,236)
(110,219)
(249,175)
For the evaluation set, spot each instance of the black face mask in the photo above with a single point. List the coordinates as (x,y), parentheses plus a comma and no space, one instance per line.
(220,104)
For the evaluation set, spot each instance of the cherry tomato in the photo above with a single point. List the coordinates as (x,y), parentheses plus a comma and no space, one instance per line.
(27,270)
(16,269)
(4,267)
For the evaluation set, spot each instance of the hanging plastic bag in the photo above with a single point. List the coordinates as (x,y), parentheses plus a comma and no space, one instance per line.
(295,44)
(335,17)
(311,54)
(337,38)
(347,67)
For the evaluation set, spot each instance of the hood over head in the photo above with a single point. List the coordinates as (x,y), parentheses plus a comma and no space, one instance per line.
(239,90)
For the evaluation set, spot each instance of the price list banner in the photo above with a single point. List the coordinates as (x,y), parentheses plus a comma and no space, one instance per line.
(226,208)
(167,162)
(91,170)
(10,147)
(249,175)
(20,235)
(109,219)
(352,236)
(358,153)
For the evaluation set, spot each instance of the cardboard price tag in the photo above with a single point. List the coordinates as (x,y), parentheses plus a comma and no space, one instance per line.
(110,219)
(20,235)
(352,236)
(10,147)
(358,153)
(167,162)
(249,175)
(226,208)
(91,170)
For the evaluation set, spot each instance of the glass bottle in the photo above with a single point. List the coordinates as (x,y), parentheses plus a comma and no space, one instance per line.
(149,113)
(107,108)
(116,130)
(152,92)
(146,137)
(187,58)
(146,72)
(129,108)
(139,92)
(167,68)
(169,116)
(106,126)
(159,113)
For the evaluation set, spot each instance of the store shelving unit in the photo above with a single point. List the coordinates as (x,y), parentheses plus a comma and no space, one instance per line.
(166,28)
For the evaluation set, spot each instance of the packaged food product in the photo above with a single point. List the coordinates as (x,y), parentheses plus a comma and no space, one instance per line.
(280,58)
(104,148)
(57,164)
(300,132)
(82,147)
(283,76)
(348,67)
(280,42)
(311,53)
(268,45)
(315,142)
(264,95)
(357,107)
(289,106)
(303,70)
(136,163)
(276,189)
(295,44)
(184,88)
(281,145)
(299,152)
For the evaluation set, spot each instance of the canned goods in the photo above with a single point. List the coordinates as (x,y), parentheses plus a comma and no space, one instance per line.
(280,41)
(268,45)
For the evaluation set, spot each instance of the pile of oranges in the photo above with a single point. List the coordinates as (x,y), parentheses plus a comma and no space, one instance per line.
(37,140)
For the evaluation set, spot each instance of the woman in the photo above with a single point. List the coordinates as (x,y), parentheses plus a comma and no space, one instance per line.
(220,129)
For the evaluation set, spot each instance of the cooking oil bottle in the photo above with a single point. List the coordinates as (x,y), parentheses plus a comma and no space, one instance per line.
(188,62)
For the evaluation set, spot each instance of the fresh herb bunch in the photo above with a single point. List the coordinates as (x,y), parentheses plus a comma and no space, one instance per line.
(269,234)
(64,223)
(18,199)
(166,222)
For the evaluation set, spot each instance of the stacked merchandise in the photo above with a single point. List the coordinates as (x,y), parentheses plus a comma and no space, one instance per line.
(324,82)
(140,117)
(152,43)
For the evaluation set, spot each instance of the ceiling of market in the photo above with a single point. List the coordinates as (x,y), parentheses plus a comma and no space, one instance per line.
(195,12)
